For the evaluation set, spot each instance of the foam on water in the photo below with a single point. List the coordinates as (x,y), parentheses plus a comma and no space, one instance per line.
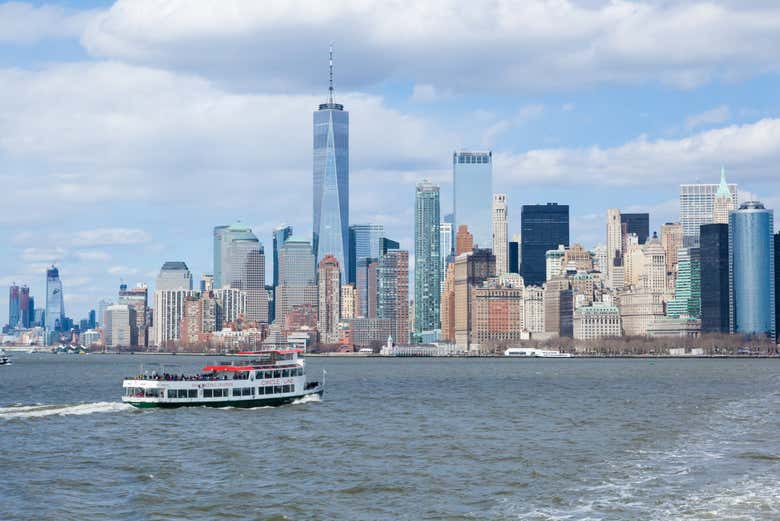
(44,410)
(309,398)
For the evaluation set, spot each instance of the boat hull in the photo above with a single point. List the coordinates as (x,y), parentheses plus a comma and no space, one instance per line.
(258,402)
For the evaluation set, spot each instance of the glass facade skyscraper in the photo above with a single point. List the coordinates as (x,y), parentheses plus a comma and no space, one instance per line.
(751,270)
(543,227)
(240,263)
(363,244)
(697,207)
(714,240)
(687,289)
(281,234)
(472,179)
(55,305)
(427,257)
(636,223)
(331,183)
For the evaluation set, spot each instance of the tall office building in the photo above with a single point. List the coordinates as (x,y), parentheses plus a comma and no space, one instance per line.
(714,240)
(614,239)
(14,307)
(471,269)
(500,233)
(697,205)
(724,201)
(777,287)
(687,288)
(472,178)
(231,306)
(329,289)
(281,234)
(427,257)
(751,270)
(206,282)
(55,305)
(672,242)
(297,279)
(331,180)
(636,223)
(543,228)
(168,314)
(118,329)
(464,241)
(239,263)
(364,242)
(392,293)
(137,299)
(174,275)
(513,254)
(365,286)
(559,308)
(445,249)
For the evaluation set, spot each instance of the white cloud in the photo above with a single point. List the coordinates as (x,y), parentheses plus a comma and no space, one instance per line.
(24,23)
(111,236)
(46,255)
(504,45)
(709,117)
(92,255)
(121,270)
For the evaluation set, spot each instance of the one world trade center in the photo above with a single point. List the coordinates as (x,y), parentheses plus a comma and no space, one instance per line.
(330,223)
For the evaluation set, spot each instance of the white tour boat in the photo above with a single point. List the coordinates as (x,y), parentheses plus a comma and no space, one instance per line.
(4,358)
(268,378)
(529,352)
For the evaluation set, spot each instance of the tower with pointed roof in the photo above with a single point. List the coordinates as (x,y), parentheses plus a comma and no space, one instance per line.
(330,178)
(724,201)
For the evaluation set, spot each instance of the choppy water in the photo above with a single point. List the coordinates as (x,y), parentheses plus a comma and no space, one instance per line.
(401,439)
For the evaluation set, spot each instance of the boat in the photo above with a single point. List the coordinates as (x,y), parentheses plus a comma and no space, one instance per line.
(4,358)
(529,352)
(274,377)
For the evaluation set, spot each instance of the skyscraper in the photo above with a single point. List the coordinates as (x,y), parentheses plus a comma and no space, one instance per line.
(173,275)
(445,249)
(777,286)
(464,241)
(329,309)
(297,280)
(364,242)
(714,240)
(118,329)
(392,276)
(472,177)
(687,289)
(636,223)
(331,180)
(697,205)
(14,308)
(427,257)
(281,234)
(55,305)
(500,233)
(138,300)
(672,241)
(543,228)
(241,261)
(514,256)
(471,269)
(614,239)
(751,270)
(724,202)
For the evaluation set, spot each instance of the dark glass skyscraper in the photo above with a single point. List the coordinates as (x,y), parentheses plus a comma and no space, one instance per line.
(637,223)
(331,181)
(543,227)
(514,257)
(281,234)
(55,306)
(427,257)
(363,243)
(714,240)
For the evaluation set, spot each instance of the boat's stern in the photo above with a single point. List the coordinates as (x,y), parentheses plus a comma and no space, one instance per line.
(143,393)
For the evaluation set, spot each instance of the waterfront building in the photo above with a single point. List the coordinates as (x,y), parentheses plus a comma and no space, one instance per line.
(533,309)
(366,286)
(92,321)
(392,291)
(330,177)
(724,201)
(687,289)
(168,312)
(89,337)
(513,253)
(498,312)
(174,275)
(597,321)
(464,241)
(427,257)
(714,240)
(138,299)
(231,306)
(638,309)
(55,304)
(471,270)
(118,330)
(501,233)
(447,308)
(554,262)
(637,224)
(697,205)
(445,249)
(206,282)
(751,270)
(672,242)
(614,238)
(674,327)
(329,309)
(297,279)
(193,327)
(349,301)
(368,332)
(13,306)
(20,307)
(240,263)
(777,287)
(559,308)
(543,228)
(364,243)
(472,178)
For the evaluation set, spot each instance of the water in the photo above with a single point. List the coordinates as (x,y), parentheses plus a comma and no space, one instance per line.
(401,439)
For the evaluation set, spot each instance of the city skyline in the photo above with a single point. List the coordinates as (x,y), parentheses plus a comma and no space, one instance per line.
(254,143)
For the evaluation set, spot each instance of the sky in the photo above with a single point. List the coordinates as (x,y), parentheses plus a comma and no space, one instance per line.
(128,130)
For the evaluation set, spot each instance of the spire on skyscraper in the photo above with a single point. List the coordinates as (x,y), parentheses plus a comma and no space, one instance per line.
(330,70)
(723,187)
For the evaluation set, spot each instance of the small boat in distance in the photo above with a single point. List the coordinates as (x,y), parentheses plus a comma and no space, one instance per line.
(4,358)
(529,352)
(272,377)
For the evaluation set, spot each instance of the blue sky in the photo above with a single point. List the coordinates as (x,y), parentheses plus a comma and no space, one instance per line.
(129,129)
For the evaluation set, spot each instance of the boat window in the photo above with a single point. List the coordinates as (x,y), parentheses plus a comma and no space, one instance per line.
(260,390)
(277,374)
(285,373)
(259,375)
(192,393)
(277,389)
(246,391)
(269,374)
(153,393)
(236,391)
(208,393)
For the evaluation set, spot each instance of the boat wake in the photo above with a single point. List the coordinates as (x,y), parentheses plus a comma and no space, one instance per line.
(43,410)
(309,398)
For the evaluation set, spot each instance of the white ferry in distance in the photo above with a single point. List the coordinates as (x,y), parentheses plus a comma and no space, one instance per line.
(529,352)
(269,378)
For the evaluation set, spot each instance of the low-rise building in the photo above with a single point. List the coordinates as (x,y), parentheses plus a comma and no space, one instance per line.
(597,321)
